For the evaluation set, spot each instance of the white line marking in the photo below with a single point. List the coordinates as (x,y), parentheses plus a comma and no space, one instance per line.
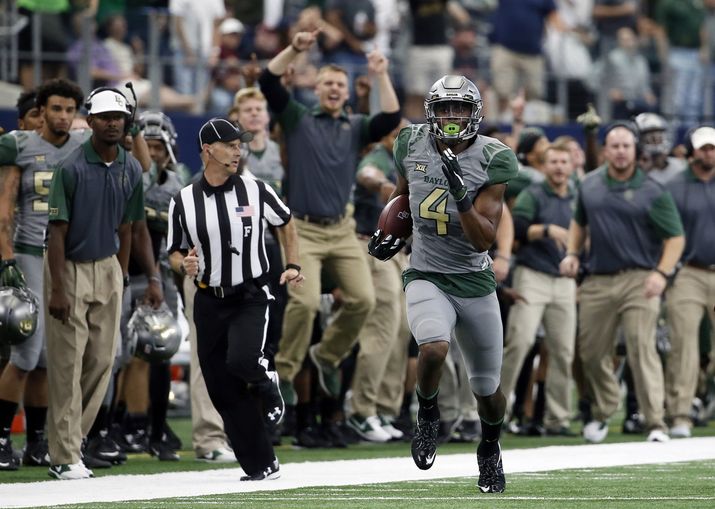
(350,472)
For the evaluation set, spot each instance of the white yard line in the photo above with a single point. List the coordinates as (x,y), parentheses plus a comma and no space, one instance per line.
(346,472)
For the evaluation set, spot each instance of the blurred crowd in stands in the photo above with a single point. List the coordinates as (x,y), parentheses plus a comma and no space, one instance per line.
(627,56)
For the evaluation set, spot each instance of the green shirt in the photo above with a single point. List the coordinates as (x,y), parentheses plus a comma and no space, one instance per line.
(95,198)
(627,220)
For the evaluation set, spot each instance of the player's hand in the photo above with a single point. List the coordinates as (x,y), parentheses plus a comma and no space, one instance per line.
(154,294)
(453,173)
(11,275)
(384,249)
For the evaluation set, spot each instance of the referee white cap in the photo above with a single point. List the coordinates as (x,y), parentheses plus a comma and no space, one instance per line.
(223,130)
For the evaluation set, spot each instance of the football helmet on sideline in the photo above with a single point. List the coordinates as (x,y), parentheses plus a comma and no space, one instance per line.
(655,137)
(18,314)
(453,108)
(154,334)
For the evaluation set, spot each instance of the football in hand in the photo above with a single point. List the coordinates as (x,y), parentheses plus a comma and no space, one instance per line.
(396,219)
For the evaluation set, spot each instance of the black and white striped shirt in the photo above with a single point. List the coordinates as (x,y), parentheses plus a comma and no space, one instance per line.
(226,225)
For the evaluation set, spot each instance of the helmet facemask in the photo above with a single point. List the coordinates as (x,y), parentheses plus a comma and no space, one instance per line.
(453,109)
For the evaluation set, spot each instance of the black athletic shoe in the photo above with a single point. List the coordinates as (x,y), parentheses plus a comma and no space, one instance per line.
(133,442)
(105,448)
(491,472)
(8,461)
(163,451)
(272,471)
(36,454)
(310,438)
(424,442)
(171,438)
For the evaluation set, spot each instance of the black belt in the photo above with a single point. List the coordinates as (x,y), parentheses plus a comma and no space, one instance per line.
(701,266)
(321,220)
(249,288)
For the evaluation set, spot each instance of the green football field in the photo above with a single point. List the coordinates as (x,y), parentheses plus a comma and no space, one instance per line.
(668,484)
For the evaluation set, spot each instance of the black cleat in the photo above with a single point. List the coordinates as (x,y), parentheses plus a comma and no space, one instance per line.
(163,450)
(105,448)
(8,461)
(424,443)
(491,472)
(36,454)
(272,471)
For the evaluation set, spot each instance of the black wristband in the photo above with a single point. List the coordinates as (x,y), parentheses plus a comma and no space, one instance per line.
(292,266)
(295,49)
(126,280)
(546,230)
(464,204)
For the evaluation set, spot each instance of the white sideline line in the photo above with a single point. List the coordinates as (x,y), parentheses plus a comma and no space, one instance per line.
(346,472)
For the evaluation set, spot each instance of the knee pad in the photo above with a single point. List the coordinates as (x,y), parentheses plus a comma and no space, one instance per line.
(483,385)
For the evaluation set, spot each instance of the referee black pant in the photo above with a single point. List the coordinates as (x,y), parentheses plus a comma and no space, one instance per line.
(230,338)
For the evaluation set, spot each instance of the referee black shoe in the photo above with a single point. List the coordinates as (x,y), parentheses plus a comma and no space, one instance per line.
(272,471)
(491,470)
(424,443)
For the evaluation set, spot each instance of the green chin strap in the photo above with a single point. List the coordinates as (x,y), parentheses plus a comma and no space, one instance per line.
(451,128)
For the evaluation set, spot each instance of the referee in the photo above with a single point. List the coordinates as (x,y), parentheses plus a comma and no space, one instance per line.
(216,235)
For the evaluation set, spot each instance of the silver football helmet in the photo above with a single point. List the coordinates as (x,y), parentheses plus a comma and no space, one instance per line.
(154,334)
(453,108)
(18,314)
(655,137)
(156,125)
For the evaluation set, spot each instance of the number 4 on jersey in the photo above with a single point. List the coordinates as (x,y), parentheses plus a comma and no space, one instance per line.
(434,206)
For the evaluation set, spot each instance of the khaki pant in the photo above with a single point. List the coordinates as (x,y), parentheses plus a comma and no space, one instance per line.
(207,432)
(688,300)
(80,353)
(379,375)
(553,300)
(606,301)
(336,249)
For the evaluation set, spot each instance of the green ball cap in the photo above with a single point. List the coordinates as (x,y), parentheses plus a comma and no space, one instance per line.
(451,128)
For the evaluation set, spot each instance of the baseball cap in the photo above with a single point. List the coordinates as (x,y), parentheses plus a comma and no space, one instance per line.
(221,129)
(230,26)
(703,136)
(106,101)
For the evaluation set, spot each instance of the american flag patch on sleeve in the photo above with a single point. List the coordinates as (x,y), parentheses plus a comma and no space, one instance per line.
(245,211)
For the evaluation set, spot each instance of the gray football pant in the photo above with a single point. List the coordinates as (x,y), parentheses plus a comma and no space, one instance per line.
(476,322)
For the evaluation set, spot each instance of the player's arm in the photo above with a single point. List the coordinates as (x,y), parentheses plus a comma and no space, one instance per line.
(481,221)
(400,188)
(9,187)
(375,181)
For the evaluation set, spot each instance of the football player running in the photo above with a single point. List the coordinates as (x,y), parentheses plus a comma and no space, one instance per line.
(455,180)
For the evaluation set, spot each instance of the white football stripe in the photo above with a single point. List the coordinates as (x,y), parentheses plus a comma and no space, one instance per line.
(347,472)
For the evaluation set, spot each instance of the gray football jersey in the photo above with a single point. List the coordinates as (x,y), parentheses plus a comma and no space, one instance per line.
(36,159)
(268,166)
(157,196)
(439,243)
